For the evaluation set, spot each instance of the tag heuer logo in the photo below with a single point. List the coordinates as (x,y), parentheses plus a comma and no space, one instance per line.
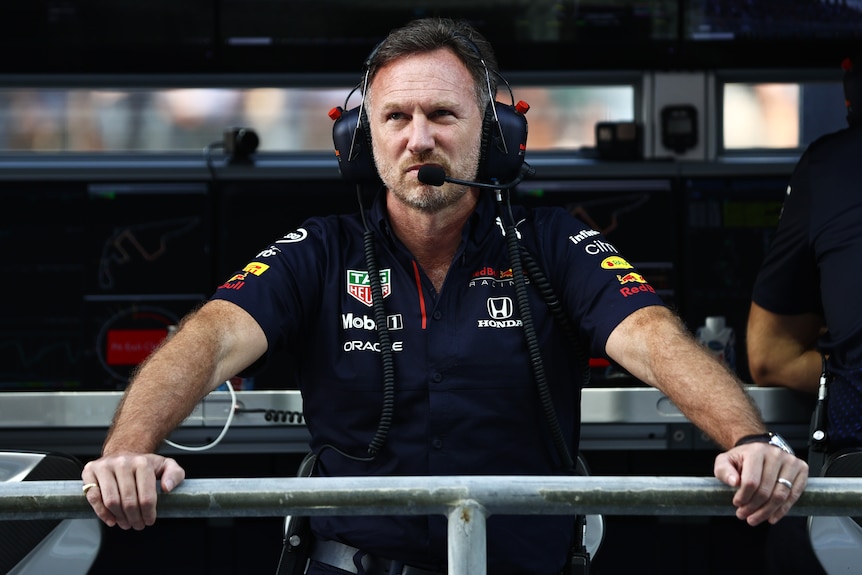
(359,287)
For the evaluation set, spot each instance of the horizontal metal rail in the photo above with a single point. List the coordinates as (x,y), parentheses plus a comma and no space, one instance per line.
(466,501)
(521,495)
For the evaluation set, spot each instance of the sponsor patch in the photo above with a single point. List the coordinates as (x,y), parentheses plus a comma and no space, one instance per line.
(597,247)
(616,263)
(500,311)
(356,345)
(642,288)
(631,277)
(255,268)
(293,237)
(350,321)
(235,282)
(268,252)
(490,272)
(582,235)
(359,285)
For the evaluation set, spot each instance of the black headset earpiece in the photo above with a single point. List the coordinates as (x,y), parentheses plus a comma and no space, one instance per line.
(504,142)
(504,137)
(352,142)
(351,136)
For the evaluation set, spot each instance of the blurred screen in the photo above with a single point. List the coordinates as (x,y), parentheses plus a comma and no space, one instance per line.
(102,270)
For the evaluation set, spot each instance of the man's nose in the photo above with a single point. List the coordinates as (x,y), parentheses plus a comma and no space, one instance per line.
(421,135)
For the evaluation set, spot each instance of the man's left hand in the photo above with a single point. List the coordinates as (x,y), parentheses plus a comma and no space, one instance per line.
(768,481)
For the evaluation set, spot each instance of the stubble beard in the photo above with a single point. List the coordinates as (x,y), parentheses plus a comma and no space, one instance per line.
(424,197)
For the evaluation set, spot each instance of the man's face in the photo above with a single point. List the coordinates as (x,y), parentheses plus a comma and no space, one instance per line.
(422,110)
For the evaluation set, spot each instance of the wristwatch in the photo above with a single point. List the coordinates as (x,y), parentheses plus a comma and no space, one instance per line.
(770,438)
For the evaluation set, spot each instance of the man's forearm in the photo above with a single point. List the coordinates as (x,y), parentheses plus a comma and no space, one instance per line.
(782,349)
(160,396)
(166,387)
(655,347)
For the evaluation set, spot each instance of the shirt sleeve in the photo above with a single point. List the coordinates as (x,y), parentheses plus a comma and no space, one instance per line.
(599,287)
(788,280)
(281,285)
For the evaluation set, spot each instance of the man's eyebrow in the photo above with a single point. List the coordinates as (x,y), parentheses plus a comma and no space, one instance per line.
(436,105)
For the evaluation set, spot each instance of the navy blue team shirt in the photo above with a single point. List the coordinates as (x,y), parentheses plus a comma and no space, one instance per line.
(465,397)
(813,264)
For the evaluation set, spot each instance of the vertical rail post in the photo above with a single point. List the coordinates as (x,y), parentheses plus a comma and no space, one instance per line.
(467,539)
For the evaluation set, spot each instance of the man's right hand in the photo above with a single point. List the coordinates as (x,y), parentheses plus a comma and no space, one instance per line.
(125,491)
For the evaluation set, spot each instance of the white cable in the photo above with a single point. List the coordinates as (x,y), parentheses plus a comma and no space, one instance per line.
(233,407)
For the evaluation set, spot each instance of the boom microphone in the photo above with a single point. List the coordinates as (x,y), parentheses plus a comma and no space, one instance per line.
(436,176)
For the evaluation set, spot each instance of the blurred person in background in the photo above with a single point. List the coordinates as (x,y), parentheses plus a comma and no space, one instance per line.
(806,313)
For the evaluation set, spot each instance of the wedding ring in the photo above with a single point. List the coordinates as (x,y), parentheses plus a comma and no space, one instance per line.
(88,486)
(785,482)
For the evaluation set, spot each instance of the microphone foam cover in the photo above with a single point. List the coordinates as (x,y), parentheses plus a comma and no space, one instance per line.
(432,175)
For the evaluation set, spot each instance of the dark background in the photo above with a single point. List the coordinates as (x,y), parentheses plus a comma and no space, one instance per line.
(243,36)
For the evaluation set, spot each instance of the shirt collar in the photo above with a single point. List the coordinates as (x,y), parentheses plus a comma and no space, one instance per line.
(481,222)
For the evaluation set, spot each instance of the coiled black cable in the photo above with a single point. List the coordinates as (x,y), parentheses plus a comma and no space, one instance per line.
(533,350)
(385,422)
(385,346)
(538,279)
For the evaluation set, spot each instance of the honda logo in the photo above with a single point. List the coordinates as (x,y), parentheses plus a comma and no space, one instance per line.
(500,307)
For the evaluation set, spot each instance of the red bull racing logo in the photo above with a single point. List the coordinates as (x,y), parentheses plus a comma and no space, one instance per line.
(359,285)
(489,272)
(631,277)
(640,286)
(235,282)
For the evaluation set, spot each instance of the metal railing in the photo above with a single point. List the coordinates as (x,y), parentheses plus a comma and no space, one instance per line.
(466,501)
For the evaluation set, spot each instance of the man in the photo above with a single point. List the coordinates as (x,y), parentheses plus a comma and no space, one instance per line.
(818,233)
(804,304)
(464,395)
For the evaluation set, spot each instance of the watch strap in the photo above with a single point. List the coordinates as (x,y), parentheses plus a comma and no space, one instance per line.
(770,438)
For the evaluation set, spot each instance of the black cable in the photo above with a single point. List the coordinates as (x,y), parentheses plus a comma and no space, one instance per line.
(532,341)
(538,279)
(818,439)
(383,339)
(277,415)
(818,436)
(385,422)
(385,346)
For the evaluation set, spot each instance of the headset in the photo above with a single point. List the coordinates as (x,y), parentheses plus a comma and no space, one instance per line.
(504,135)
(853,88)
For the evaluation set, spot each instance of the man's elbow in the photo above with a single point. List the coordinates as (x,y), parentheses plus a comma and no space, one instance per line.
(761,375)
(764,373)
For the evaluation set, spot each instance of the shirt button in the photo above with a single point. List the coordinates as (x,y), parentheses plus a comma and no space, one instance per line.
(437,443)
(437,377)
(437,314)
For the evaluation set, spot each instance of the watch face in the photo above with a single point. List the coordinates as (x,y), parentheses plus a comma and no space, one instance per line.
(780,443)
